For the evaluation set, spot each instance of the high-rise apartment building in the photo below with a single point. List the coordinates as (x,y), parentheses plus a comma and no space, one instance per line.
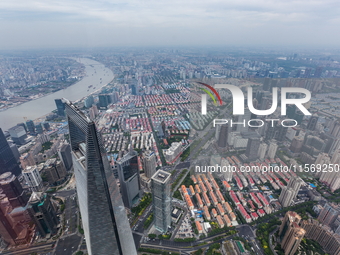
(272,150)
(8,162)
(328,215)
(288,193)
(291,233)
(161,197)
(105,223)
(149,163)
(129,178)
(262,151)
(33,178)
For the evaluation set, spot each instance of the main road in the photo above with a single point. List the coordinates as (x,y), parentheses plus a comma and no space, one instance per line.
(97,75)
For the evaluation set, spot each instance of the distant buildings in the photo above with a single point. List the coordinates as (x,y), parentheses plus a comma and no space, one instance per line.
(252,148)
(161,197)
(60,107)
(8,162)
(106,227)
(222,135)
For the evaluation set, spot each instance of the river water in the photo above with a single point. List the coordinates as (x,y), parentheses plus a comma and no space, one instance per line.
(97,75)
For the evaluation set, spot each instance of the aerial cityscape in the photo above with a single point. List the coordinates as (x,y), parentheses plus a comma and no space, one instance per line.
(134,159)
(169,127)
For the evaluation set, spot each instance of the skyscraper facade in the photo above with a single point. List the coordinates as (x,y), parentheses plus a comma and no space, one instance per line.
(8,162)
(43,214)
(222,135)
(106,227)
(161,197)
(65,156)
(11,187)
(129,178)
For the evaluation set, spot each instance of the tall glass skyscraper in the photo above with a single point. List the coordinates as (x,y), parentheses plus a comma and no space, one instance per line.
(105,223)
(8,163)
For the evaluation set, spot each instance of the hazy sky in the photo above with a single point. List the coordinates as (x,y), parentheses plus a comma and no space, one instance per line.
(83,23)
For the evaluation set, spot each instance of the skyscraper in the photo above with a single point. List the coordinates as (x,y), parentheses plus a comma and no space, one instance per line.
(291,233)
(60,107)
(129,178)
(252,148)
(312,122)
(11,187)
(161,197)
(33,178)
(30,126)
(288,193)
(328,215)
(43,213)
(149,163)
(18,134)
(65,155)
(222,135)
(106,227)
(8,163)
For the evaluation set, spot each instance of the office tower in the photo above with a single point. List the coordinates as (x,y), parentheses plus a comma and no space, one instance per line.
(32,177)
(46,126)
(55,171)
(252,148)
(30,126)
(262,150)
(149,163)
(11,187)
(39,128)
(65,155)
(272,150)
(105,224)
(129,178)
(18,134)
(104,101)
(328,215)
(161,200)
(60,107)
(15,151)
(296,144)
(8,163)
(291,233)
(222,134)
(294,113)
(312,122)
(43,214)
(288,193)
(242,121)
(266,84)
(89,101)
